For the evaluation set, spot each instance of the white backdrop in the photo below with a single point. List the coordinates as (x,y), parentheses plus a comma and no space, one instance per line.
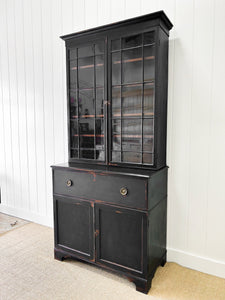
(33,133)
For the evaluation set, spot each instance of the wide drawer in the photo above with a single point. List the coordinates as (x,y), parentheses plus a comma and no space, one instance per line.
(101,187)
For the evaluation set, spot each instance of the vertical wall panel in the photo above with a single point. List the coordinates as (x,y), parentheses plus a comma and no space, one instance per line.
(132,9)
(6,94)
(200,121)
(91,13)
(78,15)
(2,141)
(28,108)
(33,119)
(48,99)
(215,238)
(12,68)
(117,10)
(170,9)
(59,96)
(104,12)
(182,89)
(28,172)
(37,35)
(149,6)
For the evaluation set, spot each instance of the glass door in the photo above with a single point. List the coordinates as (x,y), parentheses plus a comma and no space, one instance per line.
(132,99)
(86,100)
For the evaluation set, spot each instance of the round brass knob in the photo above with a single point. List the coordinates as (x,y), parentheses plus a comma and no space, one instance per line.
(123,191)
(69,182)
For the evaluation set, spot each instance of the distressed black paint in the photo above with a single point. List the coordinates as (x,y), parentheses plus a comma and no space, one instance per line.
(94,221)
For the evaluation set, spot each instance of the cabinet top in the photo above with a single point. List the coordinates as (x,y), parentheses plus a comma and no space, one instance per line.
(159,15)
(108,169)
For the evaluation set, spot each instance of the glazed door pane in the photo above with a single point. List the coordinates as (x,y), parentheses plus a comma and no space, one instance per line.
(132,99)
(86,95)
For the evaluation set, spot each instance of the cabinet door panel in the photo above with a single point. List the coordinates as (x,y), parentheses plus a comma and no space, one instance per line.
(87,91)
(132,94)
(121,238)
(73,221)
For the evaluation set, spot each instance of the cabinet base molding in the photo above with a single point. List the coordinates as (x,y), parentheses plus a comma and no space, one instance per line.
(143,285)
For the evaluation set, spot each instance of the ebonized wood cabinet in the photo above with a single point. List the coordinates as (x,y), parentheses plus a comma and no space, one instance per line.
(110,199)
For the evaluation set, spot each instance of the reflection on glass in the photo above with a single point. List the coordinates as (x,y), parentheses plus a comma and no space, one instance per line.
(131,134)
(132,65)
(86,72)
(100,155)
(72,53)
(99,67)
(115,45)
(116,111)
(116,134)
(148,144)
(116,156)
(86,103)
(73,74)
(88,154)
(74,153)
(147,158)
(148,100)
(86,99)
(73,112)
(149,37)
(73,105)
(131,144)
(131,157)
(132,100)
(131,128)
(73,134)
(86,130)
(99,129)
(148,128)
(149,63)
(99,47)
(99,102)
(116,66)
(132,41)
(86,51)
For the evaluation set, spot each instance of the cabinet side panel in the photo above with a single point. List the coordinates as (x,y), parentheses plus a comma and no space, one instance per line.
(161,99)
(157,235)
(157,189)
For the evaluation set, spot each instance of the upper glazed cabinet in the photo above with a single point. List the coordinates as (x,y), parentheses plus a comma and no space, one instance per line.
(117,93)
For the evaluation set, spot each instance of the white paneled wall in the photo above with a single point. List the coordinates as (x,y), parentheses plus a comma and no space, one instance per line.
(33,133)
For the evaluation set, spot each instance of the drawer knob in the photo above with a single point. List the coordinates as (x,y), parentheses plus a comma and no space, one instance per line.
(123,191)
(69,182)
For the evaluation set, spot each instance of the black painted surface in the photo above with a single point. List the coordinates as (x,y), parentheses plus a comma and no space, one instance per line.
(93,222)
(131,241)
(100,76)
(120,239)
(103,187)
(74,226)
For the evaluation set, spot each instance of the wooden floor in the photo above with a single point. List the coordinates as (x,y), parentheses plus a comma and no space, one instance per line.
(29,271)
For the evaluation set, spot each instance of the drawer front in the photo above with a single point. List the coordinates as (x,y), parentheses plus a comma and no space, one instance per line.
(119,189)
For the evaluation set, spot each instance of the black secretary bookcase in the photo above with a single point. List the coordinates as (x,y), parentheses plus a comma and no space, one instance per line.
(110,198)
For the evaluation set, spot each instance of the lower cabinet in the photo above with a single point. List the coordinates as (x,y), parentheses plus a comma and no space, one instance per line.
(125,234)
(121,238)
(73,223)
(108,235)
